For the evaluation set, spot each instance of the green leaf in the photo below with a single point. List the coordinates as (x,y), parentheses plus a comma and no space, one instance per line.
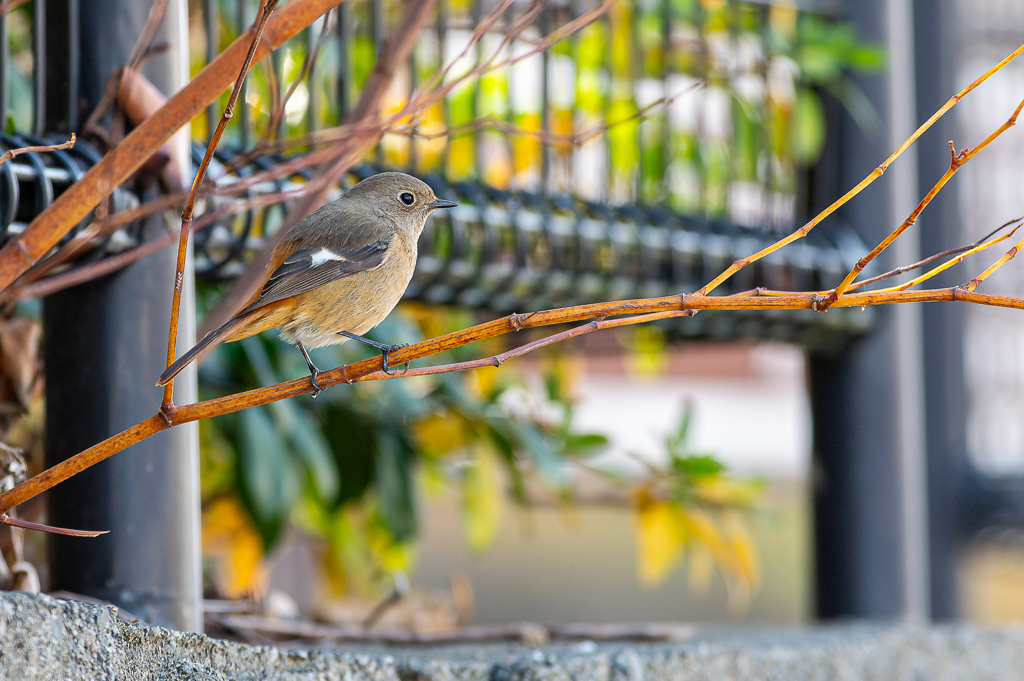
(584,443)
(393,483)
(305,438)
(507,452)
(676,442)
(10,129)
(807,133)
(353,442)
(866,58)
(698,466)
(267,477)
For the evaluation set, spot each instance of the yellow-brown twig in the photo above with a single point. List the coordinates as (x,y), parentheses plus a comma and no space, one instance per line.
(644,310)
(119,163)
(995,266)
(193,195)
(874,175)
(944,266)
(935,256)
(957,161)
(11,153)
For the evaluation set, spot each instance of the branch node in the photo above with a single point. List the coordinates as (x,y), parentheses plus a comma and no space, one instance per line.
(516,320)
(167,413)
(820,303)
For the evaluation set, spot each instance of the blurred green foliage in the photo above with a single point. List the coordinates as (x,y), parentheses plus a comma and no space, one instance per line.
(348,467)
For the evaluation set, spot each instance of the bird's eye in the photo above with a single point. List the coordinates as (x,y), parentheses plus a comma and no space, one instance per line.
(407,198)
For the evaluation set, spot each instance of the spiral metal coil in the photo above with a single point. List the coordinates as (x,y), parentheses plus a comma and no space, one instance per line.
(30,182)
(508,251)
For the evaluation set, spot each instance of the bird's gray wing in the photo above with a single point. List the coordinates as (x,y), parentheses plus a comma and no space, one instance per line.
(330,257)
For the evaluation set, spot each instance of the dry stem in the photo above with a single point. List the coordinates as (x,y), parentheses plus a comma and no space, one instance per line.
(119,163)
(874,175)
(957,161)
(11,153)
(645,310)
(193,195)
(596,315)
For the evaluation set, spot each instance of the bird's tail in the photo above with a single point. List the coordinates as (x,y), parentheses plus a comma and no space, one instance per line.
(208,343)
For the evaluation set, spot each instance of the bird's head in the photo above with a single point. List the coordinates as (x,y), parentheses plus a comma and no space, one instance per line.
(402,198)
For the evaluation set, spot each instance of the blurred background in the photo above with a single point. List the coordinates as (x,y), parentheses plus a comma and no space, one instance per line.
(781,467)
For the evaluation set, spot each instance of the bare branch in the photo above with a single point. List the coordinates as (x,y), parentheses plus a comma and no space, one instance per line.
(186,215)
(11,153)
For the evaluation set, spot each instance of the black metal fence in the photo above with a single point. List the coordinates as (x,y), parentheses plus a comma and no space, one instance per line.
(696,159)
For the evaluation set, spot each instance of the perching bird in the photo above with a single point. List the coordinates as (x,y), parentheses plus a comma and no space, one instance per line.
(337,273)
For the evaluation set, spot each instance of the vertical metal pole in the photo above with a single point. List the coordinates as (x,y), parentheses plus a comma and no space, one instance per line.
(345,78)
(104,346)
(909,328)
(243,96)
(39,68)
(5,62)
(212,46)
(61,40)
(863,400)
(950,473)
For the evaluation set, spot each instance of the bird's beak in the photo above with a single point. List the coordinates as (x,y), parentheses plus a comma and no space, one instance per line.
(441,203)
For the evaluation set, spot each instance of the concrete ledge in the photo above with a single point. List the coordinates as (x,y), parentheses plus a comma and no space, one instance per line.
(45,638)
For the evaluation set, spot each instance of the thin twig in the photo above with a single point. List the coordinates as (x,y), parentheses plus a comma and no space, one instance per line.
(11,153)
(644,310)
(932,258)
(957,161)
(186,215)
(138,54)
(524,632)
(946,265)
(874,175)
(995,266)
(277,114)
(114,263)
(20,253)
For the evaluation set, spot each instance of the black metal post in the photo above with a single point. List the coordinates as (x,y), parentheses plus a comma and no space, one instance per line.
(105,344)
(950,475)
(864,400)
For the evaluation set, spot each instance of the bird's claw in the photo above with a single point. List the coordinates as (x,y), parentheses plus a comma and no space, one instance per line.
(316,386)
(385,353)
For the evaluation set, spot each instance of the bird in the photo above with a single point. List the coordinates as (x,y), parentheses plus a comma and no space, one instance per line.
(335,274)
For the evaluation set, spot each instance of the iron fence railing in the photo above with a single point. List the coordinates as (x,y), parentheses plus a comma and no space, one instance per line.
(652,206)
(741,116)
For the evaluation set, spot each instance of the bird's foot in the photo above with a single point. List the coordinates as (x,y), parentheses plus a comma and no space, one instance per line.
(385,350)
(385,354)
(313,375)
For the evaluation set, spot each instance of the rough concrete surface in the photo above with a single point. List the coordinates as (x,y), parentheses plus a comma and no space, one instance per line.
(45,638)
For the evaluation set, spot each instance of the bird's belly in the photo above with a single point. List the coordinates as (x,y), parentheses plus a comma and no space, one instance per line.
(355,304)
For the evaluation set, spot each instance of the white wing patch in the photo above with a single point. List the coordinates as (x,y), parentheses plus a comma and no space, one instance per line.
(324,255)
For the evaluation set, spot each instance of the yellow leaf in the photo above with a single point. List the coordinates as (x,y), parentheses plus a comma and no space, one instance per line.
(230,538)
(439,435)
(481,382)
(460,157)
(748,562)
(660,537)
(725,491)
(390,555)
(701,566)
(481,501)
